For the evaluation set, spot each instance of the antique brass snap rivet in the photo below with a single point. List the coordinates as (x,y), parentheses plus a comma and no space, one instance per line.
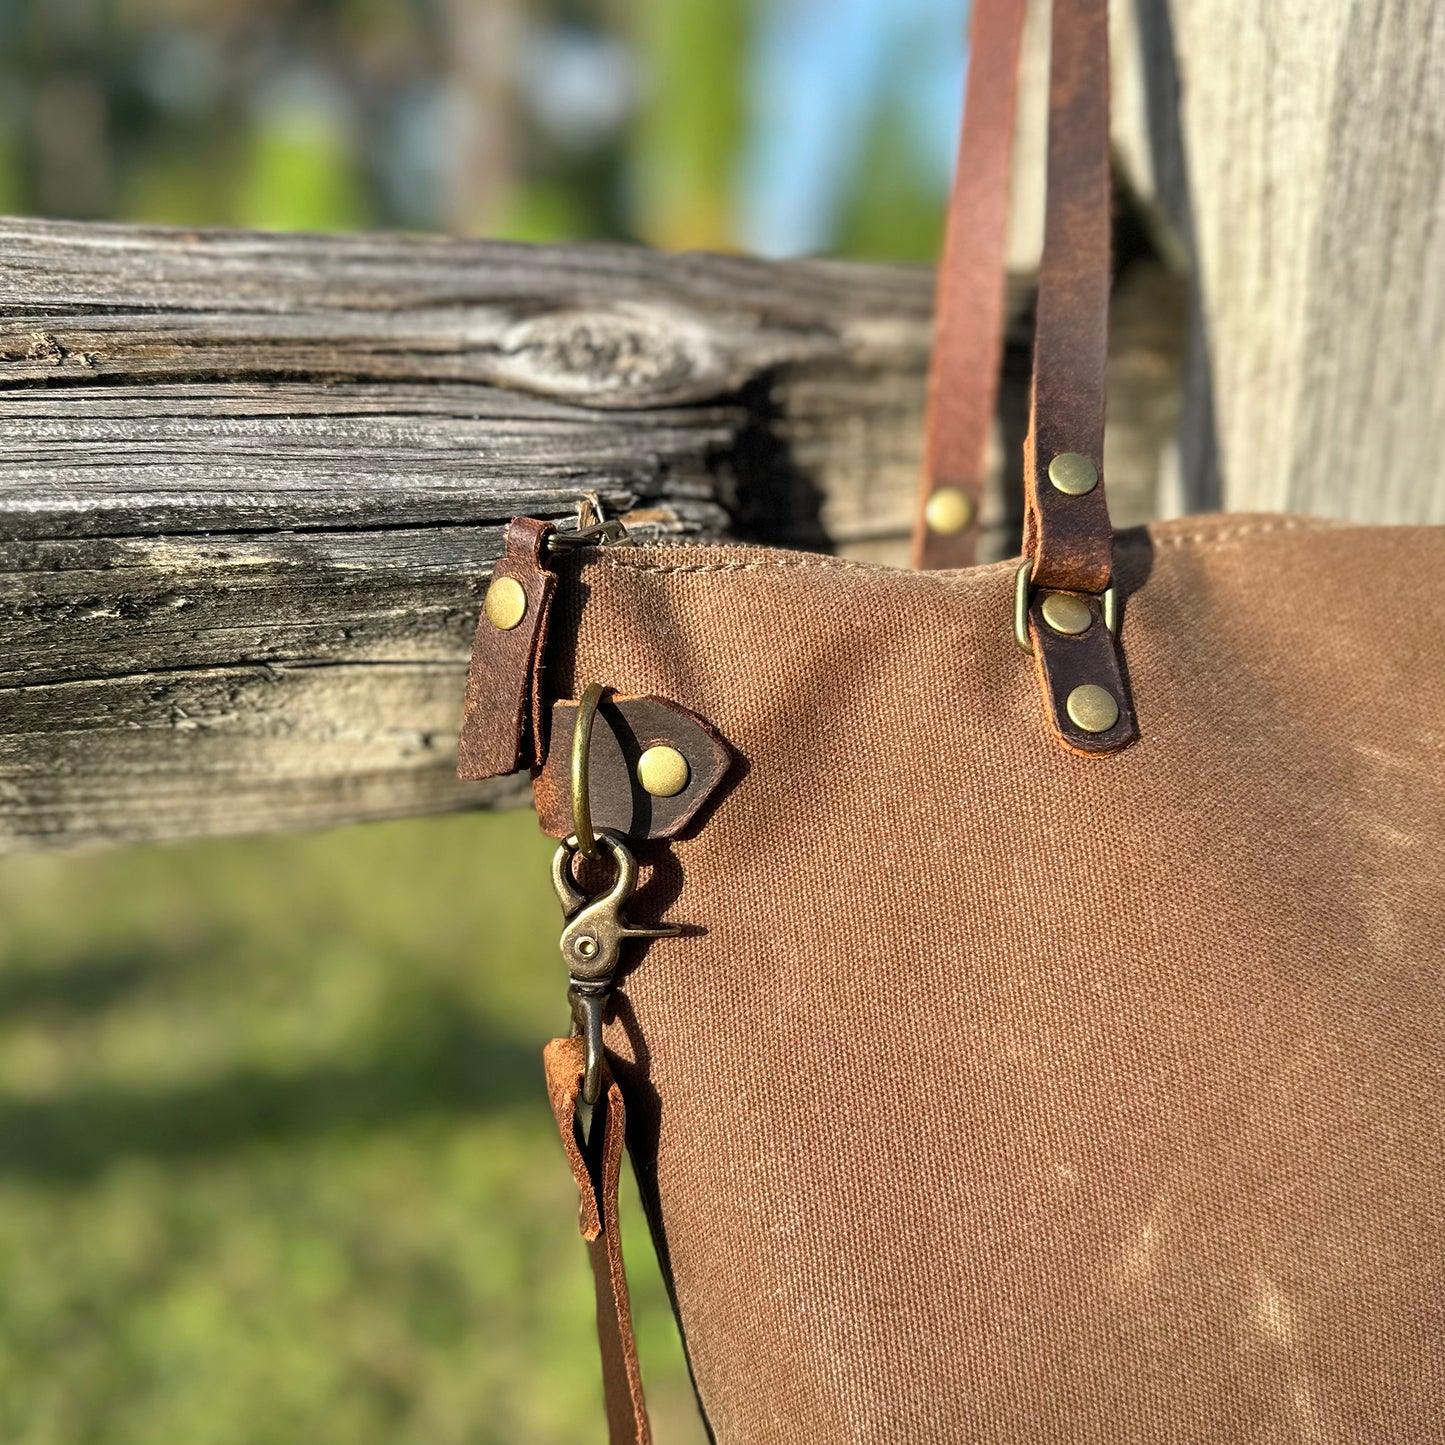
(663,771)
(1073,474)
(506,603)
(1066,613)
(1092,708)
(948,511)
(587,947)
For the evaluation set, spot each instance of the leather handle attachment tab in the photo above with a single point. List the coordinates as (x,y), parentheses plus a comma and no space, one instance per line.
(503,720)
(963,378)
(1068,537)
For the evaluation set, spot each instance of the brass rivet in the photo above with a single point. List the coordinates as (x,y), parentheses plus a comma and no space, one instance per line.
(586,946)
(506,603)
(1073,474)
(1092,708)
(949,511)
(1066,613)
(663,771)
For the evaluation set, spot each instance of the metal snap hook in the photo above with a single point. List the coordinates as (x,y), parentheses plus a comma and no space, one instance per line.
(596,927)
(593,933)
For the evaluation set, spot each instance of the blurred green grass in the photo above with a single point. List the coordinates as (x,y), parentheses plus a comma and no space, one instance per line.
(276,1163)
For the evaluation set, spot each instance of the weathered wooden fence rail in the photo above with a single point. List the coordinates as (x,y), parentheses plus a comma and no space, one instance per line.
(251,487)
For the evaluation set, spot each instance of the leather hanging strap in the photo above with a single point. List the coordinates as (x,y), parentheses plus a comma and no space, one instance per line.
(1067,532)
(597,1167)
(967,358)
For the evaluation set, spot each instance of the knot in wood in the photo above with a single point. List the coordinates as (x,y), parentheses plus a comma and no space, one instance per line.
(614,357)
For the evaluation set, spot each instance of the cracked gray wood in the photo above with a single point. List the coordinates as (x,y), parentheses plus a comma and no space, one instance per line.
(251,486)
(1295,149)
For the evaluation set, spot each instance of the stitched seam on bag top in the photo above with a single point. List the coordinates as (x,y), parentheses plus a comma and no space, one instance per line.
(1217,538)
(769,564)
(1290,524)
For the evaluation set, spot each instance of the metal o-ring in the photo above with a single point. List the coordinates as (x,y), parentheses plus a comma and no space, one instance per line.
(581,779)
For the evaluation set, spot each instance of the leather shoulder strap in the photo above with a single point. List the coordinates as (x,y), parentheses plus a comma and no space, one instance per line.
(1066,522)
(1068,537)
(969,318)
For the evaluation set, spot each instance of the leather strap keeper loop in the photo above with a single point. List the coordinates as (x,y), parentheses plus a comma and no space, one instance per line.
(625,728)
(1070,666)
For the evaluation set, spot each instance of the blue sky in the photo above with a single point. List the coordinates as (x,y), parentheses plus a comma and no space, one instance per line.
(819,72)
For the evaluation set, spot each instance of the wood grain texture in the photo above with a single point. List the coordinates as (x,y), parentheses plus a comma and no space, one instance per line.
(251,487)
(1296,150)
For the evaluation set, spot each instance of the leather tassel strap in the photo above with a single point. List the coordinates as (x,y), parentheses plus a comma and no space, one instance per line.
(963,378)
(597,1167)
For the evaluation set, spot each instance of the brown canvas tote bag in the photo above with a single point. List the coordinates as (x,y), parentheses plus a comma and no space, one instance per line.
(1050,1047)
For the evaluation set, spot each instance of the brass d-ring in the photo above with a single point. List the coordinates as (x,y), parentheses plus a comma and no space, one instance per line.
(1021,605)
(1023,590)
(581,780)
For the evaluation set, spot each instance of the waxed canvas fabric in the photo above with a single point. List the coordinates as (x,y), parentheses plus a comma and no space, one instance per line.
(1000,1094)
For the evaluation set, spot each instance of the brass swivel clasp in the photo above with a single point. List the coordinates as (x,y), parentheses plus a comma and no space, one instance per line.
(596,927)
(592,937)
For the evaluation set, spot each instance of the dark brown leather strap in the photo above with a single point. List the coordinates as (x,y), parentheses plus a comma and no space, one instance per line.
(1067,532)
(597,1167)
(1074,671)
(969,318)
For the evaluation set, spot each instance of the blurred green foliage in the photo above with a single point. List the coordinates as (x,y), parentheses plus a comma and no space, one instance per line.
(891,210)
(535,119)
(688,138)
(290,177)
(276,1163)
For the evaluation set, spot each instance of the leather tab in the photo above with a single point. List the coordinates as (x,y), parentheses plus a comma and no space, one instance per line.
(624,729)
(502,720)
(1065,662)
(597,1168)
(963,377)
